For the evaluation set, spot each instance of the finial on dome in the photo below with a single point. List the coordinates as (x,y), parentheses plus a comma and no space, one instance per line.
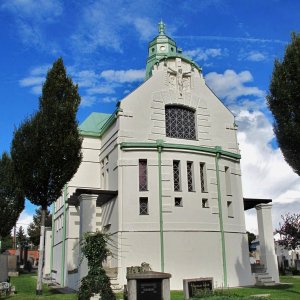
(161,27)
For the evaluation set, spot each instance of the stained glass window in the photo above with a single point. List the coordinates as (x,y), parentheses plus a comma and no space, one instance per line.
(143,206)
(143,185)
(190,176)
(180,122)
(176,175)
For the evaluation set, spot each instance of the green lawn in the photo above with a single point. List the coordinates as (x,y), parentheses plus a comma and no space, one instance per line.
(25,289)
(25,286)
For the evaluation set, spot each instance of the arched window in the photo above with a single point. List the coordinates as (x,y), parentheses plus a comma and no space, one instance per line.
(180,122)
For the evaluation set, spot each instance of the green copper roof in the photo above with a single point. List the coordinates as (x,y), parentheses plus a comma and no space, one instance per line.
(162,47)
(94,124)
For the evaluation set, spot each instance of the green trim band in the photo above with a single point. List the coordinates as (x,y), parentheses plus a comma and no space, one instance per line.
(161,223)
(215,150)
(218,152)
(221,221)
(64,239)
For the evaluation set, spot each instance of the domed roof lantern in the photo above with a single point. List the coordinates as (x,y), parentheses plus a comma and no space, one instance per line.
(161,47)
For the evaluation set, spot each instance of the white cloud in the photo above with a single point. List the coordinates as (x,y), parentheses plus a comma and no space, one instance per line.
(145,27)
(256,56)
(88,101)
(231,39)
(90,84)
(42,10)
(231,85)
(24,220)
(109,100)
(103,89)
(265,174)
(98,28)
(31,81)
(30,16)
(205,54)
(35,79)
(123,76)
(40,70)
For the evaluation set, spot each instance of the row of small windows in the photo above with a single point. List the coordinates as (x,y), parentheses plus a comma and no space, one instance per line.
(143,177)
(190,176)
(178,202)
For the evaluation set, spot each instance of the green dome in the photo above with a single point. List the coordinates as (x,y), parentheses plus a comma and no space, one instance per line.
(162,47)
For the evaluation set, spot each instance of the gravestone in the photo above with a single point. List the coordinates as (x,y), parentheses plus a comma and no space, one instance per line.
(297,263)
(12,266)
(3,267)
(144,284)
(197,287)
(149,289)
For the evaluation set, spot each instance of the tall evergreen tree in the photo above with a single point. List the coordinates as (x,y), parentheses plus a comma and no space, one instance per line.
(11,197)
(21,237)
(34,228)
(284,102)
(46,148)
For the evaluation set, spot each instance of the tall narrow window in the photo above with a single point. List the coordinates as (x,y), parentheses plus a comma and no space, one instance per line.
(144,206)
(190,181)
(143,185)
(176,175)
(228,181)
(203,180)
(180,122)
(230,209)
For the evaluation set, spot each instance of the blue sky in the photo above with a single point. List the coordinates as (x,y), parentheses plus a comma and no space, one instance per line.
(104,48)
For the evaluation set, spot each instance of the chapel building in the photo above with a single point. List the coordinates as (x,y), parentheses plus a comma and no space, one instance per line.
(162,176)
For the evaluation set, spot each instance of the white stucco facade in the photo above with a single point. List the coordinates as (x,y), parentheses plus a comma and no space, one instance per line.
(197,230)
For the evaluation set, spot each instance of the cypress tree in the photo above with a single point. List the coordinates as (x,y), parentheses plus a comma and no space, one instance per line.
(46,148)
(284,102)
(11,197)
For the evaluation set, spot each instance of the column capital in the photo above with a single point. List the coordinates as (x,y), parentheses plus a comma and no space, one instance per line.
(263,206)
(85,197)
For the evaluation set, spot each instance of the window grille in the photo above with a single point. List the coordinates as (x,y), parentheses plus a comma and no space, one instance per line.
(203,178)
(143,206)
(143,185)
(190,176)
(180,122)
(178,201)
(176,175)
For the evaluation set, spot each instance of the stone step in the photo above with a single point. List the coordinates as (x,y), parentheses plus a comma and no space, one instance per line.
(262,275)
(265,279)
(269,283)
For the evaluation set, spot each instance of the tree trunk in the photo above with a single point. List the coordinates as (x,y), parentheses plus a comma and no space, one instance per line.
(41,254)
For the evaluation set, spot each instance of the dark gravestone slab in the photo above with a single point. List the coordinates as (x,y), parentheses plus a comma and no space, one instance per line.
(149,289)
(197,287)
(3,267)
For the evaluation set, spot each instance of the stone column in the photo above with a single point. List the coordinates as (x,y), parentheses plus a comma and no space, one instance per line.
(266,240)
(87,223)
